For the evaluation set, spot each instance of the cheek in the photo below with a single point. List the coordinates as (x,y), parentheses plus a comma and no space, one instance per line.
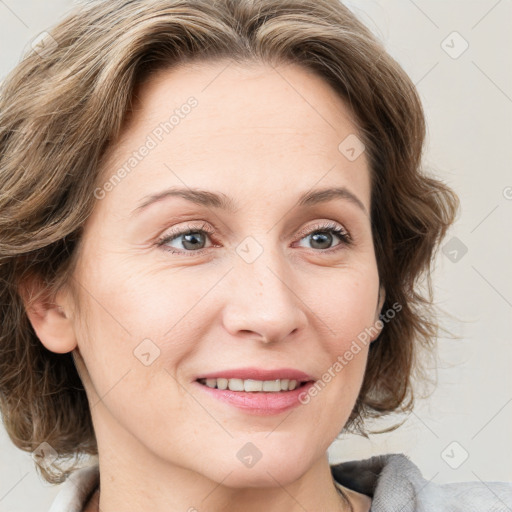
(160,315)
(346,314)
(347,307)
(131,372)
(138,329)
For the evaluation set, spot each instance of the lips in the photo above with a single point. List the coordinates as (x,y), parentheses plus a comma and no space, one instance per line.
(257,391)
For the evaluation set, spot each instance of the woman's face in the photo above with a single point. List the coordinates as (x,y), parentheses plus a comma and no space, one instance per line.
(265,281)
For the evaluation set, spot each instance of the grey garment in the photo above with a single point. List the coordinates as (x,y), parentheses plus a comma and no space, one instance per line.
(396,484)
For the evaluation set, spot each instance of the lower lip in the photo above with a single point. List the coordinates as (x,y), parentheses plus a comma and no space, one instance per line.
(262,403)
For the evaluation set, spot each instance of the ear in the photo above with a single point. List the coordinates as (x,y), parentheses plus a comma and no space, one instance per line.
(380,304)
(382,298)
(49,316)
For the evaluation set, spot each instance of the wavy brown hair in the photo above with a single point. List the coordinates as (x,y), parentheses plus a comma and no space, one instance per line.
(61,107)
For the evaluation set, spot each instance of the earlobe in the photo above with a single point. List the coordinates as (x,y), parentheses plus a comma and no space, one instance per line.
(48,317)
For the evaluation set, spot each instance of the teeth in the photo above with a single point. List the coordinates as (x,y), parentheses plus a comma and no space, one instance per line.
(272,385)
(251,385)
(236,384)
(222,383)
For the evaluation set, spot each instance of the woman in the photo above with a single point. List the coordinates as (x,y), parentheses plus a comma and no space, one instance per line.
(213,222)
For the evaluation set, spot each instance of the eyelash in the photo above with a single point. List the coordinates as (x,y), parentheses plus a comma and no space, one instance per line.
(344,236)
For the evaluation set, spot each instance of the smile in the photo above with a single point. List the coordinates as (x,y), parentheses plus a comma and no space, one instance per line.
(262,402)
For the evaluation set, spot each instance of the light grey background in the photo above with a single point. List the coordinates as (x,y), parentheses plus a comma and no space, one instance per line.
(468,102)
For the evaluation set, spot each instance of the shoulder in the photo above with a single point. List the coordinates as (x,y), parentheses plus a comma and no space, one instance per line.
(75,491)
(394,482)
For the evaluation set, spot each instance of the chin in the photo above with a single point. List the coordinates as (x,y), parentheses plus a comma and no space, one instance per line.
(260,464)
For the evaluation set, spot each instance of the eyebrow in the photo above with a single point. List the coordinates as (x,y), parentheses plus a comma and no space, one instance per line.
(221,201)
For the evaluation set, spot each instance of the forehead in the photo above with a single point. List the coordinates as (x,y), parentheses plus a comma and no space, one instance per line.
(255,98)
(253,128)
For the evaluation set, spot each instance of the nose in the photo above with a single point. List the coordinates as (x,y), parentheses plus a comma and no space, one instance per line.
(262,303)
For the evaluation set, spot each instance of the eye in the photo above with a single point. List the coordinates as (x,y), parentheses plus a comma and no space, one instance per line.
(192,239)
(321,236)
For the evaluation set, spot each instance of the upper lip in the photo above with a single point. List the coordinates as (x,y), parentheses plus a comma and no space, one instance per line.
(259,374)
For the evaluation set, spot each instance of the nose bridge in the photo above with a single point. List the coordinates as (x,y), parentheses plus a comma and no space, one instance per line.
(263,302)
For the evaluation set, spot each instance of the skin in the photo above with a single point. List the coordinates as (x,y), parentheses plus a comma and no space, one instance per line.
(262,136)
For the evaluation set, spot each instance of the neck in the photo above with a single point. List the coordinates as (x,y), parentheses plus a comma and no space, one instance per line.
(132,478)
(180,490)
